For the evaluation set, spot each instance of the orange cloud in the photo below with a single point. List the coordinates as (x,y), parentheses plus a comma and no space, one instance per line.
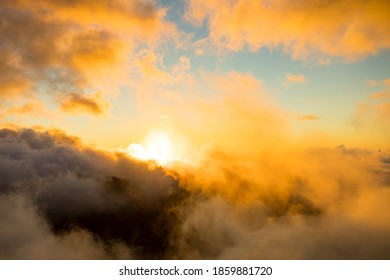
(95,49)
(76,103)
(74,46)
(309,117)
(296,79)
(381,95)
(372,116)
(237,114)
(11,80)
(32,108)
(384,111)
(149,65)
(152,79)
(372,83)
(137,16)
(319,30)
(307,203)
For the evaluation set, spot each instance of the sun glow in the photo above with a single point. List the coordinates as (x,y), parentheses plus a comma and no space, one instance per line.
(158,147)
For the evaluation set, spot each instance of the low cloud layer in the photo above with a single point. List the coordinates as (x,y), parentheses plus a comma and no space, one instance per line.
(57,196)
(62,200)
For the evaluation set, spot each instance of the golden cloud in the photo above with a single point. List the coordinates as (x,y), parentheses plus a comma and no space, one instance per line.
(372,115)
(134,15)
(307,203)
(296,79)
(381,95)
(32,108)
(319,30)
(309,117)
(12,82)
(372,83)
(74,46)
(76,103)
(236,114)
(387,82)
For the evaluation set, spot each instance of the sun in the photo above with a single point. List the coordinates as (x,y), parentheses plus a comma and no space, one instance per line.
(158,147)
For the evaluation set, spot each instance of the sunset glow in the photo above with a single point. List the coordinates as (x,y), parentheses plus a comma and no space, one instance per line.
(157,147)
(194,129)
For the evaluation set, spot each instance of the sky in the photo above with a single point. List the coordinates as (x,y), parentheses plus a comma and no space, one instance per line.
(109,73)
(275,113)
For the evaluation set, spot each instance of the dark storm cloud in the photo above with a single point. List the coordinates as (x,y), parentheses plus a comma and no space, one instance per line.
(62,200)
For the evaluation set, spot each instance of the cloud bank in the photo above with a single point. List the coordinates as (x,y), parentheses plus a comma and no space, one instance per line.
(58,196)
(63,200)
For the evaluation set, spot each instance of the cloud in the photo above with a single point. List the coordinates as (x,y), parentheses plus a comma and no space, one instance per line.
(372,83)
(31,108)
(27,235)
(300,28)
(12,81)
(57,47)
(79,202)
(380,95)
(306,211)
(371,116)
(295,79)
(155,83)
(309,117)
(149,65)
(75,103)
(373,111)
(134,15)
(63,200)
(228,111)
